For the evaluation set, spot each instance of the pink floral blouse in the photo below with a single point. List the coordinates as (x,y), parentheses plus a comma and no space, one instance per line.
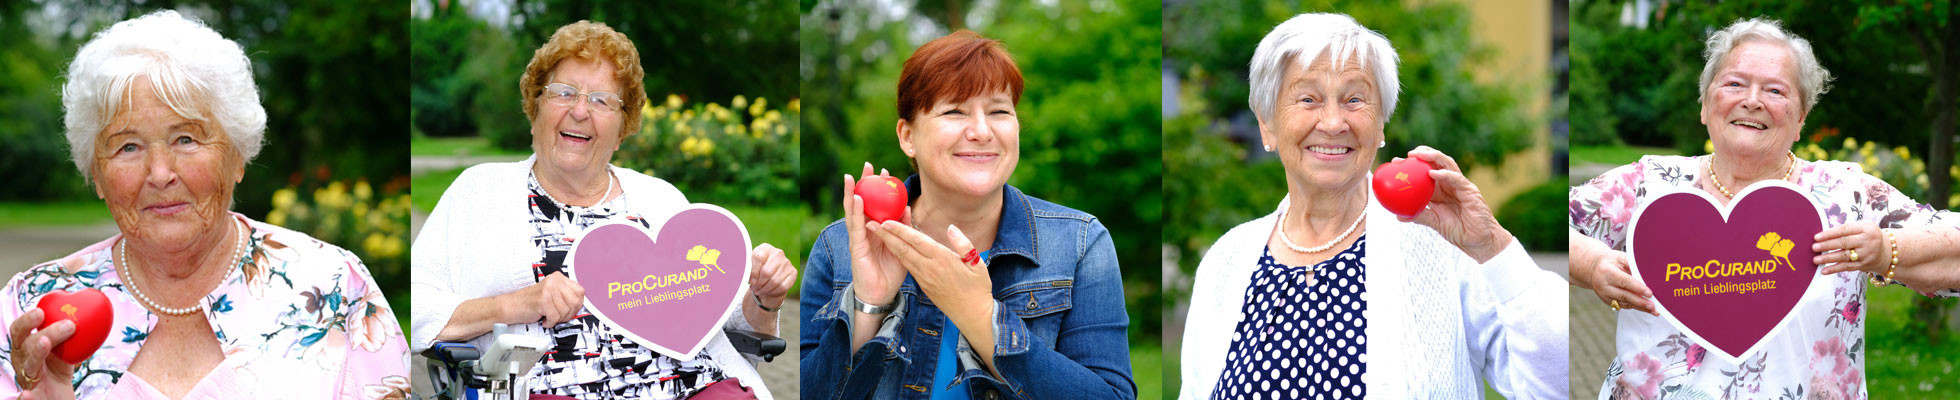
(1822,352)
(301,319)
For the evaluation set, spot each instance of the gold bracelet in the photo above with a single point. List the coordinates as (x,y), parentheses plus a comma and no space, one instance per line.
(1892,239)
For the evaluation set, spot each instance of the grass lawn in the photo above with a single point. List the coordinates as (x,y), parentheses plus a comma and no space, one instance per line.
(1147,367)
(1901,363)
(76,212)
(426,189)
(1616,155)
(455,146)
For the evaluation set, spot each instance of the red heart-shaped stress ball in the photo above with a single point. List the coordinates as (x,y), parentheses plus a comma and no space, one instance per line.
(1404,187)
(884,197)
(92,314)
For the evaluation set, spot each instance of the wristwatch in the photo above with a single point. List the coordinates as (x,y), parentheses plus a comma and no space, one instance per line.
(859,305)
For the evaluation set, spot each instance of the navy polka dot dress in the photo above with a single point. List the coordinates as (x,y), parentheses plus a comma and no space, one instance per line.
(1303,336)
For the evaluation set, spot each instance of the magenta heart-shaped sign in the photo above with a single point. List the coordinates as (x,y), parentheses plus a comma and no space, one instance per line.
(1728,277)
(669,292)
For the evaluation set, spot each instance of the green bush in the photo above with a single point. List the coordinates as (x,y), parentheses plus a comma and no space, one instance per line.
(351,215)
(1535,216)
(744,153)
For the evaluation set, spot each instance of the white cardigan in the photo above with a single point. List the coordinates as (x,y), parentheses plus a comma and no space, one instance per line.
(477,243)
(1437,320)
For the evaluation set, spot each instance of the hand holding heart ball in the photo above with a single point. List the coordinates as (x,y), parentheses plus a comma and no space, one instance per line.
(92,314)
(1403,186)
(884,198)
(1429,189)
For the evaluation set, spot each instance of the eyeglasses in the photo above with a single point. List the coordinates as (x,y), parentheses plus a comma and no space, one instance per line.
(566,96)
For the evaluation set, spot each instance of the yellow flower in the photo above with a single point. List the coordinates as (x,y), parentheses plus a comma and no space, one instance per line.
(362,191)
(755,110)
(1850,143)
(646,111)
(795,105)
(673,101)
(740,102)
(283,198)
(1904,153)
(276,217)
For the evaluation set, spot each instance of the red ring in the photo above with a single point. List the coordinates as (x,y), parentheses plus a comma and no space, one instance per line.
(972,257)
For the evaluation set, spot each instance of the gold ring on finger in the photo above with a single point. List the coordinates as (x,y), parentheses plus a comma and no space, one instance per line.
(1854,254)
(1616,305)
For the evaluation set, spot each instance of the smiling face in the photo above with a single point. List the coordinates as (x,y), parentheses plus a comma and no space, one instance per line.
(1325,124)
(1753,107)
(579,137)
(167,179)
(969,147)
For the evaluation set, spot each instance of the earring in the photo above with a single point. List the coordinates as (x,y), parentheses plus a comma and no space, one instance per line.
(1384,144)
(1269,149)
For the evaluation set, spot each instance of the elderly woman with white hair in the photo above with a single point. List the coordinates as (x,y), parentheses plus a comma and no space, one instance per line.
(162,115)
(1293,305)
(1758,84)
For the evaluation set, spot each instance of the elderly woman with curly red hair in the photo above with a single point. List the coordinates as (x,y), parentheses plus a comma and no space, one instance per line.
(494,249)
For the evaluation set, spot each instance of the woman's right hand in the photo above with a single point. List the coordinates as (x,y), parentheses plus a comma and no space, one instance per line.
(38,373)
(1612,280)
(554,299)
(875,273)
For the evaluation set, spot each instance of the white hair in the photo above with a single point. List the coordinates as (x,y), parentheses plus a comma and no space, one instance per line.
(202,76)
(1303,38)
(1812,78)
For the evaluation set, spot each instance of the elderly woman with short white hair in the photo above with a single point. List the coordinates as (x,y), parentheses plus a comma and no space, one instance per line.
(162,115)
(1757,86)
(1293,305)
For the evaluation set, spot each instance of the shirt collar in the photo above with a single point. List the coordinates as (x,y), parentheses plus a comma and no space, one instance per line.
(1016,235)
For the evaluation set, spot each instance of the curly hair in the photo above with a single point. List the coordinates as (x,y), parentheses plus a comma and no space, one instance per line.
(198,73)
(596,42)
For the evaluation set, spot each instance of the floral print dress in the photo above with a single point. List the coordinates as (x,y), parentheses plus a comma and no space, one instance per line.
(297,319)
(1821,353)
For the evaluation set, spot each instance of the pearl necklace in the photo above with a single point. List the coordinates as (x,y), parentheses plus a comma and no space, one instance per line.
(1323,247)
(122,247)
(1725,190)
(602,196)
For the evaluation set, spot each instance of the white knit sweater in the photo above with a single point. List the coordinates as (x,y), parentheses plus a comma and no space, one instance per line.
(477,244)
(1438,321)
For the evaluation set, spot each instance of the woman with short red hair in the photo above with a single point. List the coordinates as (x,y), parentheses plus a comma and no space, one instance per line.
(979,290)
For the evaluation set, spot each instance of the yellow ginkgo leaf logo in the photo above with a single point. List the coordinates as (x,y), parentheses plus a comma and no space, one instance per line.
(708,257)
(1777,246)
(68,308)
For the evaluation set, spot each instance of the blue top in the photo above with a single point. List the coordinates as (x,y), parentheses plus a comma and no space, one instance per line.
(1060,329)
(948,366)
(1304,333)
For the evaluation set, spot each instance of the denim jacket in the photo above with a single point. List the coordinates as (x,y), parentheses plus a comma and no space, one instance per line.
(1060,330)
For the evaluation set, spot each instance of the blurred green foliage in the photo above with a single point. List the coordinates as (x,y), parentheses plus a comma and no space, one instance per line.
(1090,118)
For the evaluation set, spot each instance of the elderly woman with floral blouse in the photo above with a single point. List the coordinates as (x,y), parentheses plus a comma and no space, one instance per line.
(1759,83)
(162,115)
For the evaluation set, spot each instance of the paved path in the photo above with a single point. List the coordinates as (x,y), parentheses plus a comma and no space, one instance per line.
(1592,342)
(782,375)
(23,247)
(418,165)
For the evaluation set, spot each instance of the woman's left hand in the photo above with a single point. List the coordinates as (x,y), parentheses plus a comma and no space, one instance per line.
(960,289)
(1457,211)
(772,277)
(1834,247)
